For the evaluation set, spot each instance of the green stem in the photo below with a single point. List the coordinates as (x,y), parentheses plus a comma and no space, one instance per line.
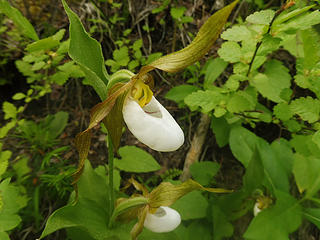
(110,169)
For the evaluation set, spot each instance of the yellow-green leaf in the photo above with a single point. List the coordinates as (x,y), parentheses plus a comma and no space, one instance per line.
(167,193)
(204,40)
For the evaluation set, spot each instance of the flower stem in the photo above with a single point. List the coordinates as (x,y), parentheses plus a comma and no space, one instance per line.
(110,169)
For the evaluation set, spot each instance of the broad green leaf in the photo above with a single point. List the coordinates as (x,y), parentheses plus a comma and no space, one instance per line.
(240,102)
(4,160)
(306,173)
(177,12)
(58,124)
(121,56)
(21,169)
(10,111)
(207,100)
(284,154)
(242,143)
(203,41)
(282,111)
(4,236)
(301,22)
(254,175)
(236,33)
(214,69)
(90,213)
(313,215)
(304,145)
(276,174)
(134,159)
(6,128)
(199,228)
(311,49)
(221,129)
(12,201)
(262,17)
(222,228)
(272,81)
(179,93)
(285,16)
(203,172)
(230,52)
(87,52)
(19,20)
(147,235)
(276,222)
(18,96)
(191,206)
(316,138)
(43,45)
(269,44)
(307,108)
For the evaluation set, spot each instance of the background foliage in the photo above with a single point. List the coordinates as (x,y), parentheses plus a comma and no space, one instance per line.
(259,87)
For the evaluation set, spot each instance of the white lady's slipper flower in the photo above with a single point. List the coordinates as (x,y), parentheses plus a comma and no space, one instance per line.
(165,219)
(256,209)
(152,125)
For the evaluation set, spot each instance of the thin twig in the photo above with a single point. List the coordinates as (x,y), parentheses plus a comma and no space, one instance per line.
(284,7)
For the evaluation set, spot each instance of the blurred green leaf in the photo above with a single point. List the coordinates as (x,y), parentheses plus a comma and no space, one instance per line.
(306,172)
(284,154)
(18,96)
(240,102)
(313,215)
(276,222)
(230,52)
(207,100)
(221,129)
(90,213)
(222,228)
(4,160)
(191,206)
(203,172)
(200,229)
(242,143)
(58,124)
(236,33)
(262,17)
(179,93)
(276,174)
(11,202)
(19,20)
(282,111)
(10,111)
(134,159)
(270,83)
(301,22)
(254,175)
(214,69)
(307,108)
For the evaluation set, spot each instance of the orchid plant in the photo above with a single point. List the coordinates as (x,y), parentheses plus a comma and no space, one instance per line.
(128,98)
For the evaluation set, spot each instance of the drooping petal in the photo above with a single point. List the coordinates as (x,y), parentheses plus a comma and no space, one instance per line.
(153,125)
(164,220)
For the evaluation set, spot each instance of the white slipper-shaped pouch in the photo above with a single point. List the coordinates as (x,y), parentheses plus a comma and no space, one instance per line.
(165,219)
(153,125)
